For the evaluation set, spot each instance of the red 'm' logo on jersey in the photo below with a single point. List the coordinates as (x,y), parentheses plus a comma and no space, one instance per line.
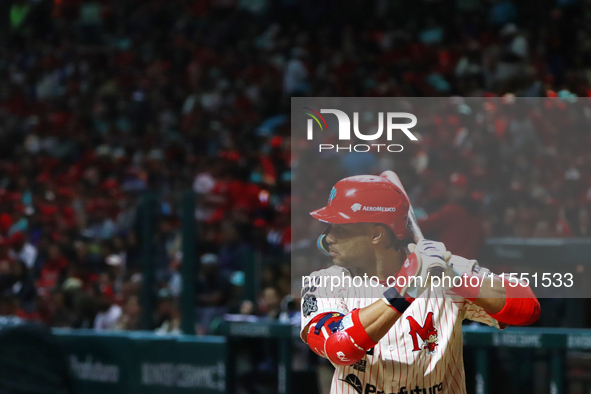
(427,333)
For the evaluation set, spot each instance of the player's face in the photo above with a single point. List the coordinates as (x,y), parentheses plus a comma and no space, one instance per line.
(350,245)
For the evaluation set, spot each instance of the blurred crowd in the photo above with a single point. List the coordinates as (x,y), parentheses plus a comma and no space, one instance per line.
(102,101)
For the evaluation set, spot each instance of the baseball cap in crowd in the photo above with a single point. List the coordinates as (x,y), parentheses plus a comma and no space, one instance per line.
(72,284)
(209,259)
(164,294)
(458,179)
(5,222)
(237,278)
(114,260)
(508,30)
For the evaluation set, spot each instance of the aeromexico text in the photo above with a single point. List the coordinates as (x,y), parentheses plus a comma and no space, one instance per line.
(345,132)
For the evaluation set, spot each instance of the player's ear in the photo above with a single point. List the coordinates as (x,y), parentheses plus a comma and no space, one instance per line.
(379,234)
(382,234)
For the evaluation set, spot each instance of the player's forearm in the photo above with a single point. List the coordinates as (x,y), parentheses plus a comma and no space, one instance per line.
(509,302)
(344,340)
(377,319)
(491,296)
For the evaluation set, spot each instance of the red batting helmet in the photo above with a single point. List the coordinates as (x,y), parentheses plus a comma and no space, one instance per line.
(366,199)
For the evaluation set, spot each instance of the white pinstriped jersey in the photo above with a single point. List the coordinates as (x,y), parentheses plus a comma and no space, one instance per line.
(422,352)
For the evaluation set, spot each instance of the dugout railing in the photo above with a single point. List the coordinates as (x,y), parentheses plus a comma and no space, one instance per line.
(143,362)
(555,343)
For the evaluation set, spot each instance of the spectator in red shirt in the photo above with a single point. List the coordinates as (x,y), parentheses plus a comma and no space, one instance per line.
(458,224)
(52,270)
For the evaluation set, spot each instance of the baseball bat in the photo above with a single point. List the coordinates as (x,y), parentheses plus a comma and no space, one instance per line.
(412,219)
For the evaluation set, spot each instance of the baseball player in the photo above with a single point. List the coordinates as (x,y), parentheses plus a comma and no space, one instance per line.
(406,338)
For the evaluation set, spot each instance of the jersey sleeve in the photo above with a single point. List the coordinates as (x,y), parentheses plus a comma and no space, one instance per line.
(471,310)
(478,314)
(318,296)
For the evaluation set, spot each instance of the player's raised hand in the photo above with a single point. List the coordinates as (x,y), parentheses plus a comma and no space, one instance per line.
(432,249)
(414,277)
(462,266)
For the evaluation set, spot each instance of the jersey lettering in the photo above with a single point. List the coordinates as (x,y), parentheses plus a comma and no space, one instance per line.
(427,333)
